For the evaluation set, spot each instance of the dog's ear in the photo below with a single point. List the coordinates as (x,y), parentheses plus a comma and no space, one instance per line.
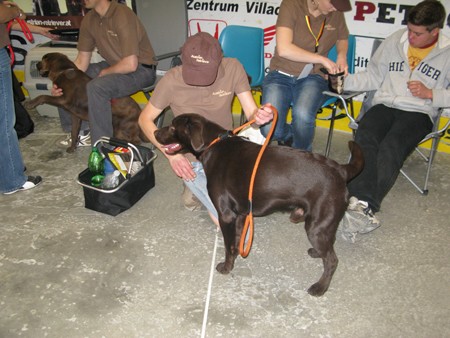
(196,130)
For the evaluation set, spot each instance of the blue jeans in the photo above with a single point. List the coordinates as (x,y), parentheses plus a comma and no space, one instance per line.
(11,163)
(100,91)
(386,136)
(199,188)
(306,98)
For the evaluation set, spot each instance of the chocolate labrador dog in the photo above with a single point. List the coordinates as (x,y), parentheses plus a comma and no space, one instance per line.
(63,72)
(310,186)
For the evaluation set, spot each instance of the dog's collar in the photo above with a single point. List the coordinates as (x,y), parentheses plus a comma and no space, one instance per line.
(221,137)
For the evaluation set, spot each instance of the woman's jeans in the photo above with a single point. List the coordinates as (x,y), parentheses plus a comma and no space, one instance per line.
(306,98)
(387,136)
(11,163)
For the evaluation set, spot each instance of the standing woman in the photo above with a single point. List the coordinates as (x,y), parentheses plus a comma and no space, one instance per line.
(306,31)
(12,177)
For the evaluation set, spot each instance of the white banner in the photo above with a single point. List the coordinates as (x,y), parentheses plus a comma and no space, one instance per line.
(367,19)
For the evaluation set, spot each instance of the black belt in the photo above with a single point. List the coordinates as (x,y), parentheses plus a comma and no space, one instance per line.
(149,66)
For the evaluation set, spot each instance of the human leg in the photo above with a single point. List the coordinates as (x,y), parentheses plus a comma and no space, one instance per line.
(199,188)
(277,92)
(307,100)
(101,90)
(12,177)
(408,129)
(371,131)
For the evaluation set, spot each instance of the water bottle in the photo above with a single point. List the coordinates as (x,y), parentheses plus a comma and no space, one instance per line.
(111,180)
(95,162)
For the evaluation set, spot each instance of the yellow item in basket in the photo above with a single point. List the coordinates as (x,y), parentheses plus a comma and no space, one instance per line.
(117,161)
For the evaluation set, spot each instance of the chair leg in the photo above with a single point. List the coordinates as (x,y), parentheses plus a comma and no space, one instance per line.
(429,160)
(330,131)
(434,145)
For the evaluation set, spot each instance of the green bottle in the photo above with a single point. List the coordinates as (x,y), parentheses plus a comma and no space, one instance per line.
(95,162)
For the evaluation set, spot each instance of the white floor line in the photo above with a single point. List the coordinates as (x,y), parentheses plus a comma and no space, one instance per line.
(208,294)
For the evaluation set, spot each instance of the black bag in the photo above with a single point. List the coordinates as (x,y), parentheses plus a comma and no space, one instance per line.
(130,189)
(24,124)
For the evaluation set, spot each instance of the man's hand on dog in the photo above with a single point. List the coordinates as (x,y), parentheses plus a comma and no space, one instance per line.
(182,167)
(56,91)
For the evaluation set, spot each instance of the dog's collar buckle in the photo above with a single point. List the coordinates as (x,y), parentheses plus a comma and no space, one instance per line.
(225,135)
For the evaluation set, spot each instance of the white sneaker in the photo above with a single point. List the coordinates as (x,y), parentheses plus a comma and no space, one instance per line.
(358,218)
(32,181)
(83,141)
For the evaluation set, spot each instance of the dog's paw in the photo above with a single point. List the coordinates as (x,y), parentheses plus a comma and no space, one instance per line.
(317,290)
(313,253)
(222,268)
(70,150)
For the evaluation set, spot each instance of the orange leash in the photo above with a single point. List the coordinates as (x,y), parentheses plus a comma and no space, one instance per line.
(244,249)
(248,226)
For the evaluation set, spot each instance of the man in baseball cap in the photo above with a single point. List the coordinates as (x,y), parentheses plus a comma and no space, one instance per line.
(201,56)
(206,83)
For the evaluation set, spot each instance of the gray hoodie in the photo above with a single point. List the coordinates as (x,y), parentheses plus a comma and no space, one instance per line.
(388,73)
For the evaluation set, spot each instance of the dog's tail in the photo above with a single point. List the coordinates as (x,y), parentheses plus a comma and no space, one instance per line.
(356,164)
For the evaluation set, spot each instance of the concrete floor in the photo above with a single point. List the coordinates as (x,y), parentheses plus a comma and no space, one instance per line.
(67,271)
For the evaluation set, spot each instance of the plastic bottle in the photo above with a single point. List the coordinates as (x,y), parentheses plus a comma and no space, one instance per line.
(95,162)
(111,180)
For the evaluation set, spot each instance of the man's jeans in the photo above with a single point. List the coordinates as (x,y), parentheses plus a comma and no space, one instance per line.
(306,98)
(11,163)
(387,137)
(101,90)
(199,188)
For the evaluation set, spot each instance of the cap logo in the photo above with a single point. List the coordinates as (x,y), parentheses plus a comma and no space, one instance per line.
(199,59)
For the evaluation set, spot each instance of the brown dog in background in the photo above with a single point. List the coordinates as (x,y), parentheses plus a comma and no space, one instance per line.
(65,75)
(312,187)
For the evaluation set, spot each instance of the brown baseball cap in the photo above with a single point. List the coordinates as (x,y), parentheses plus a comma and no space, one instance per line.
(201,56)
(342,5)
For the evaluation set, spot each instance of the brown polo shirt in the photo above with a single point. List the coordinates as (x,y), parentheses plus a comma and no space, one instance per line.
(292,15)
(213,102)
(118,34)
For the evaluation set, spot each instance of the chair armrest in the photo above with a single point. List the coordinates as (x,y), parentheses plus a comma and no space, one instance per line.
(344,95)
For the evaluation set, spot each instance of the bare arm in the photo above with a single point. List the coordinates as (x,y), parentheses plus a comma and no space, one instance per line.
(342,48)
(179,163)
(83,60)
(261,115)
(287,49)
(126,65)
(9,11)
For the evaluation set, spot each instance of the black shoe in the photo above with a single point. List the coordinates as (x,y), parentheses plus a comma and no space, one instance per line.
(31,182)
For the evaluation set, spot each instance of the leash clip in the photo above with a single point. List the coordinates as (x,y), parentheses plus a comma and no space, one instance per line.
(225,135)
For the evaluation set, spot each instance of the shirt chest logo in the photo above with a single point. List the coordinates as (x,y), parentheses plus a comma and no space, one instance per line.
(221,93)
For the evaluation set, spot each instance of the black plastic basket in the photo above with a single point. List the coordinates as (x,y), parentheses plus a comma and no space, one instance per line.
(130,189)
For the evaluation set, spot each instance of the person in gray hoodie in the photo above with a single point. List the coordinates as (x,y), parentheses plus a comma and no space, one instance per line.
(410,72)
